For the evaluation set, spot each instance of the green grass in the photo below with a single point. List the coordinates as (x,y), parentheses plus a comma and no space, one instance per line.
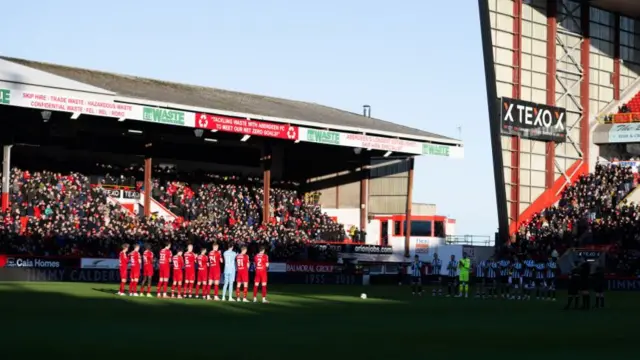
(77,320)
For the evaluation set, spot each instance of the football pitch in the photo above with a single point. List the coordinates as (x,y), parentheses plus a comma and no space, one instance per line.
(82,320)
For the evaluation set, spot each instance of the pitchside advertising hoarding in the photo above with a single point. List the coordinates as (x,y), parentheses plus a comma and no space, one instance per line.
(38,262)
(533,121)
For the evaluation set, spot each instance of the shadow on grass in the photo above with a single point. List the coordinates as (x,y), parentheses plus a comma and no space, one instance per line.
(85,320)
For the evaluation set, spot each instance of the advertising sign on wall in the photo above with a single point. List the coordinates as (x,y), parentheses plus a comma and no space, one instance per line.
(533,121)
(624,133)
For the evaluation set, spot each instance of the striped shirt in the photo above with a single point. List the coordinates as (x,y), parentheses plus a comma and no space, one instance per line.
(551,269)
(540,270)
(452,268)
(516,271)
(504,267)
(436,267)
(416,269)
(492,269)
(529,268)
(480,268)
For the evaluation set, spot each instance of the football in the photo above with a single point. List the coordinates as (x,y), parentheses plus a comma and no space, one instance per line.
(363,296)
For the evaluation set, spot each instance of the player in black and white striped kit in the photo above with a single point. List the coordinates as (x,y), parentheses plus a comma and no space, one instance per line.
(515,280)
(552,270)
(481,269)
(452,275)
(505,268)
(529,282)
(436,275)
(416,276)
(540,278)
(492,276)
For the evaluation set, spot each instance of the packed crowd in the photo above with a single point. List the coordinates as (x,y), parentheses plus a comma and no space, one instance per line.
(56,214)
(590,212)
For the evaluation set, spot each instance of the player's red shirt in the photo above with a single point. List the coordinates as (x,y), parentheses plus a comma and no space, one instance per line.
(178,262)
(262,262)
(242,263)
(214,259)
(123,260)
(135,260)
(147,256)
(203,262)
(165,258)
(189,261)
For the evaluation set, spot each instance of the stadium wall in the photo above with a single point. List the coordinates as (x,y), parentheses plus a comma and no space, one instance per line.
(385,192)
(560,53)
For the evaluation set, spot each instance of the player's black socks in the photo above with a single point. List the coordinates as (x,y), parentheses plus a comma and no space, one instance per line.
(569,301)
(420,288)
(586,302)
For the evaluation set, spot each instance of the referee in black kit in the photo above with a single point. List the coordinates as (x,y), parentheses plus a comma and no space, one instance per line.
(585,274)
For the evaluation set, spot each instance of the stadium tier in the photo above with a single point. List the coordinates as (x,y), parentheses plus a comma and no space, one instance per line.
(92,160)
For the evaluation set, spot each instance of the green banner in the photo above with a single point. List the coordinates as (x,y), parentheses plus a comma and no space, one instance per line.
(163,116)
(323,137)
(435,150)
(5,96)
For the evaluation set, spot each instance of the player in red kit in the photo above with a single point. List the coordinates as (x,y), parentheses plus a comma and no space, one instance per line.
(147,270)
(261,261)
(164,267)
(203,268)
(189,271)
(215,259)
(123,262)
(178,264)
(242,277)
(135,270)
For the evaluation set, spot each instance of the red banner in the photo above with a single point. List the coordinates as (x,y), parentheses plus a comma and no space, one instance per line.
(309,267)
(246,127)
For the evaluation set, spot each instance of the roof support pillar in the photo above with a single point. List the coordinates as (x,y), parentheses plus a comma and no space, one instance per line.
(552,29)
(6,176)
(585,55)
(516,93)
(364,197)
(148,169)
(616,57)
(407,230)
(266,179)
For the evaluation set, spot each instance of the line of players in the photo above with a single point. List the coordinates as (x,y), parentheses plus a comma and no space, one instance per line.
(510,279)
(181,268)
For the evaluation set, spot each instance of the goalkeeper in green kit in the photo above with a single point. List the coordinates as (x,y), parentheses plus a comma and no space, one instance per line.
(464,266)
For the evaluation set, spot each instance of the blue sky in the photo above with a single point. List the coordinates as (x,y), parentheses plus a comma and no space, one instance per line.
(417,63)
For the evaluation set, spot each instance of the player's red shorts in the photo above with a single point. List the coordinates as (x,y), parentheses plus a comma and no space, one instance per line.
(261,277)
(177,275)
(148,271)
(164,272)
(135,273)
(202,276)
(190,275)
(123,273)
(242,277)
(214,274)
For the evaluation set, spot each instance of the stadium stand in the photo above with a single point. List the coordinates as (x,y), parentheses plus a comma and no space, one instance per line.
(591,212)
(55,213)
